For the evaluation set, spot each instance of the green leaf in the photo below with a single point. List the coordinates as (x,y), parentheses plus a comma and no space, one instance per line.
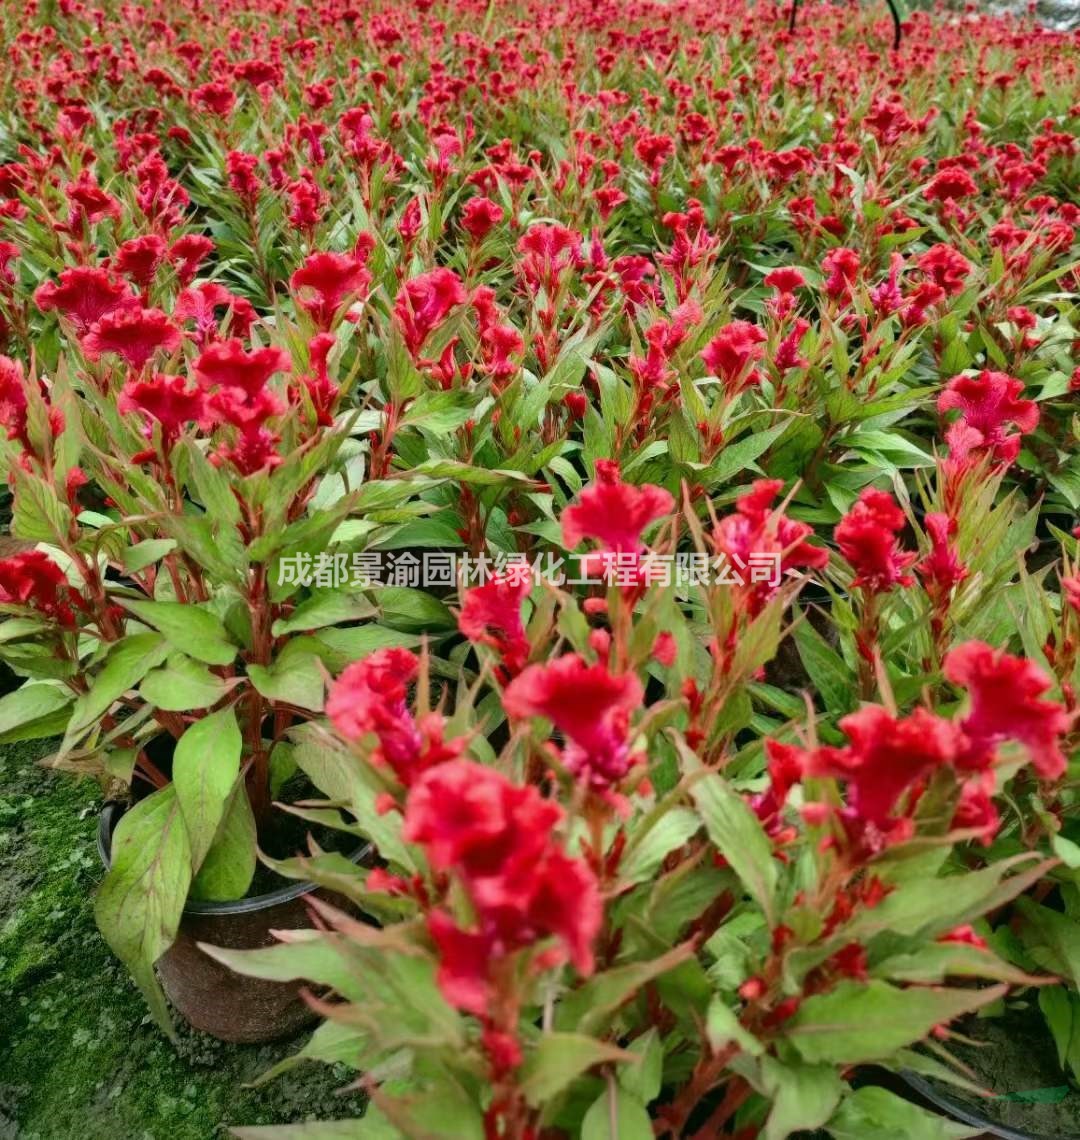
(878,1113)
(826,668)
(182,685)
(441,413)
(587,1008)
(1051,938)
(142,896)
(143,554)
(126,665)
(734,828)
(34,711)
(559,1059)
(616,1115)
(206,764)
(722,1029)
(671,831)
(803,1097)
(322,610)
(1061,1008)
(189,628)
(855,1022)
(926,907)
(735,458)
(309,955)
(644,1079)
(294,677)
(332,1044)
(229,865)
(335,772)
(937,961)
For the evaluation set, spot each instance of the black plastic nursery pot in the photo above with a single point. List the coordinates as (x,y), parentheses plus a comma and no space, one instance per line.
(210,996)
(1014,1058)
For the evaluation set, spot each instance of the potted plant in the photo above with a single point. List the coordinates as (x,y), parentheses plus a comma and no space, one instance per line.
(176,482)
(592,919)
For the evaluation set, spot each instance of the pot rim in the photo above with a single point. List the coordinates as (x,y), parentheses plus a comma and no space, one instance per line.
(947,1105)
(111,812)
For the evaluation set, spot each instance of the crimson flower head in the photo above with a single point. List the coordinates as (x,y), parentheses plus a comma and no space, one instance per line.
(480,216)
(133,334)
(139,258)
(491,615)
(326,282)
(84,295)
(167,400)
(950,184)
(867,538)
(988,404)
(758,532)
(497,839)
(32,579)
(589,706)
(187,253)
(200,304)
(785,279)
(371,698)
(842,266)
(425,302)
(941,569)
(13,401)
(732,354)
(886,756)
(227,364)
(613,512)
(946,267)
(1005,704)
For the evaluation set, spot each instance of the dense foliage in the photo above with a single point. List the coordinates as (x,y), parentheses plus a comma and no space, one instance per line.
(626,461)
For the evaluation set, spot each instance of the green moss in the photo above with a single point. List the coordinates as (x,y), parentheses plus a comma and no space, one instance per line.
(80,1055)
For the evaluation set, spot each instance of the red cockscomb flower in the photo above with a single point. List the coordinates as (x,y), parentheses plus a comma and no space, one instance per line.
(480,216)
(1004,693)
(757,535)
(498,837)
(733,352)
(228,365)
(424,303)
(613,512)
(491,615)
(33,579)
(950,184)
(886,756)
(946,267)
(84,295)
(13,400)
(842,268)
(867,538)
(988,404)
(166,399)
(138,259)
(187,253)
(941,569)
(134,335)
(200,304)
(371,698)
(326,282)
(590,706)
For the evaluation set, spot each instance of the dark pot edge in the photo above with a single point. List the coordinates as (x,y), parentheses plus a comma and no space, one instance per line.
(948,1106)
(111,812)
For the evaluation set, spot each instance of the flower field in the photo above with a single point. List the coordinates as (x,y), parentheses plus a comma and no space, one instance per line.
(586,497)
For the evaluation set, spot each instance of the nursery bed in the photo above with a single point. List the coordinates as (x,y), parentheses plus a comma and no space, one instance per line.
(80,1056)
